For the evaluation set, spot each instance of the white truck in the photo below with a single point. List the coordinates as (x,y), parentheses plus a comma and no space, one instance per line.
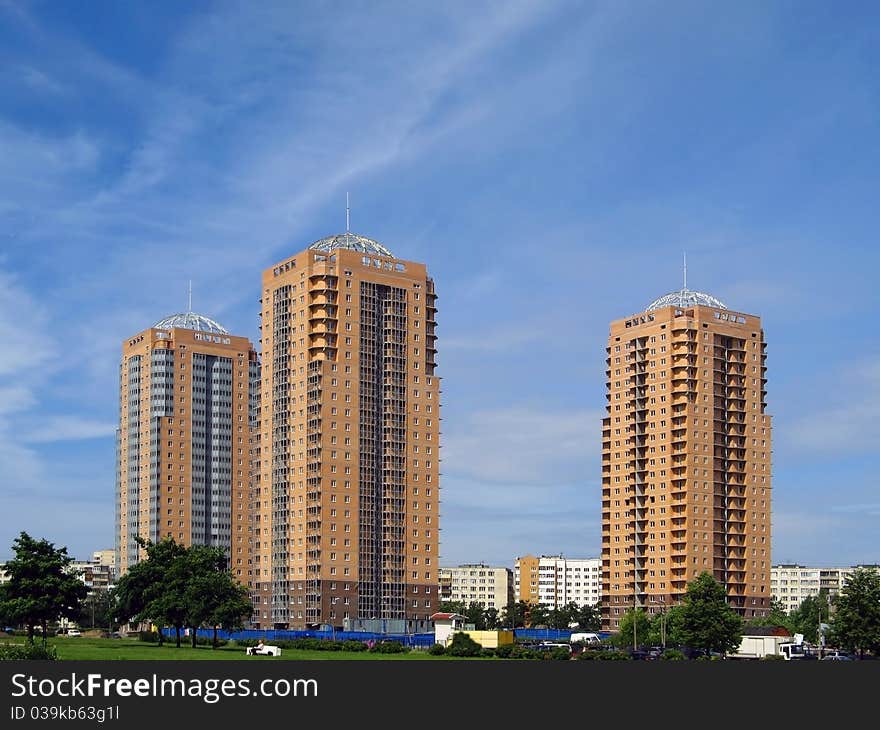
(757,647)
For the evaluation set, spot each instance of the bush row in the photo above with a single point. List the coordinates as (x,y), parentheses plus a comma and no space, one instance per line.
(507,651)
(385,647)
(152,637)
(13,652)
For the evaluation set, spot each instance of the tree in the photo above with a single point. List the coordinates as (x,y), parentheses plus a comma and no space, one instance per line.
(232,608)
(807,617)
(41,586)
(777,616)
(856,621)
(458,607)
(707,621)
(515,617)
(625,637)
(184,588)
(141,592)
(492,618)
(97,609)
(475,615)
(537,615)
(560,618)
(589,618)
(212,596)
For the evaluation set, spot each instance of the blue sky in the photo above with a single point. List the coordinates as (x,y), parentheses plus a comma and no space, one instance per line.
(549,161)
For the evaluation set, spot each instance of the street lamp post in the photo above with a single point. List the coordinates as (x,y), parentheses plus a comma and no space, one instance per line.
(662,621)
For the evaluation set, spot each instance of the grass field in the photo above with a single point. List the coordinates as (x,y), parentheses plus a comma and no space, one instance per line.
(127,649)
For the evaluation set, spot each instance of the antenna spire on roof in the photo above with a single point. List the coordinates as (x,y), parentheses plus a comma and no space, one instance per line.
(347,215)
(190,307)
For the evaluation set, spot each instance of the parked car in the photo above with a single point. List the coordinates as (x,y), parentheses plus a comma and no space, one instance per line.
(837,656)
(73,632)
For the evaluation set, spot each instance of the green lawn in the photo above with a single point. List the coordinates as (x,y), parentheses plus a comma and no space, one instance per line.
(87,648)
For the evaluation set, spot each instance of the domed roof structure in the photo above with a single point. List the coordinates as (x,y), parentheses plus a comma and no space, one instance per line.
(352,242)
(191,321)
(686,298)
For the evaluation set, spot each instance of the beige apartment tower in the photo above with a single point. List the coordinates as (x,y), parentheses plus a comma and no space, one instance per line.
(345,492)
(185,399)
(686,457)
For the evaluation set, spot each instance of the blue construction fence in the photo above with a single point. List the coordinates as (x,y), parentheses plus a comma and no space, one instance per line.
(553,634)
(411,640)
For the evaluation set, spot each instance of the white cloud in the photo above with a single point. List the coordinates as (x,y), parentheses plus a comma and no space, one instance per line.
(847,423)
(68,428)
(500,338)
(519,445)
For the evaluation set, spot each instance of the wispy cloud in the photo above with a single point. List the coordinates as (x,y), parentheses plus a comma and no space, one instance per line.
(68,428)
(41,81)
(844,424)
(524,445)
(500,338)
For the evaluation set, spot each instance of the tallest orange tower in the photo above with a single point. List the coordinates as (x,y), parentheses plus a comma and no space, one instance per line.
(345,497)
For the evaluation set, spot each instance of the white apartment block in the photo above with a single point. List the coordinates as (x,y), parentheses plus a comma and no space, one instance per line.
(791,584)
(555,581)
(477,582)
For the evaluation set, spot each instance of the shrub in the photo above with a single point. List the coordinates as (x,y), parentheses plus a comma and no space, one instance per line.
(463,645)
(560,653)
(150,636)
(354,645)
(673,655)
(207,641)
(437,650)
(487,652)
(38,651)
(613,656)
(774,657)
(515,651)
(389,647)
(589,655)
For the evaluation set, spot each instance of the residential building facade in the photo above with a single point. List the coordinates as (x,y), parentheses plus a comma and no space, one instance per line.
(477,582)
(790,583)
(182,443)
(555,581)
(686,457)
(345,492)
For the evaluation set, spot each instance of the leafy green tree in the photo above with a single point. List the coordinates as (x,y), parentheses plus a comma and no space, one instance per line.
(514,615)
(777,616)
(855,623)
(674,624)
(184,588)
(589,618)
(493,619)
(41,586)
(142,594)
(97,609)
(537,615)
(475,614)
(213,597)
(459,607)
(807,617)
(707,621)
(625,638)
(558,618)
(232,608)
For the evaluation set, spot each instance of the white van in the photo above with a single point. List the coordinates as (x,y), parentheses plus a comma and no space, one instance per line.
(585,638)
